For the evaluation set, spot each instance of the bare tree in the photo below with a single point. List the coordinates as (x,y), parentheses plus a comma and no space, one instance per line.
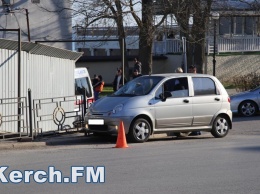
(195,33)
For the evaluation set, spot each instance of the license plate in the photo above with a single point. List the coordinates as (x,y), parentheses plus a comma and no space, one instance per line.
(96,121)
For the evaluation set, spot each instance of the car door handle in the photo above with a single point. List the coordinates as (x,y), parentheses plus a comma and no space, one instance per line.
(186,101)
(217,99)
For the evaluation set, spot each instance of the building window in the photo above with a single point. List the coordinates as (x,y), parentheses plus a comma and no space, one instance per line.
(249,25)
(238,25)
(224,25)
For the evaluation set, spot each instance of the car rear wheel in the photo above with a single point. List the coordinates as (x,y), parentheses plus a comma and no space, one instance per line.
(139,131)
(247,108)
(220,127)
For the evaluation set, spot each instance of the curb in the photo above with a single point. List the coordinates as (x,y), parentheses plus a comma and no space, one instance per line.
(21,145)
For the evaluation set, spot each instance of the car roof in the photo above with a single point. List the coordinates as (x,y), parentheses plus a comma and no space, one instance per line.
(182,75)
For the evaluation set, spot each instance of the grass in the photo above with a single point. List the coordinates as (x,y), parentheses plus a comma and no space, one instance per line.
(106,91)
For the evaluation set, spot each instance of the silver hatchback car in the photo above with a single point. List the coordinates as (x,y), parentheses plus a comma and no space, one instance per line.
(163,103)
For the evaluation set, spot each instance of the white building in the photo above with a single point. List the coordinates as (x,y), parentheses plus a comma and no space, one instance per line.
(38,21)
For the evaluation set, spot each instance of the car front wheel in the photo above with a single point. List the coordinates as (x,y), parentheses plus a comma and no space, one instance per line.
(139,131)
(247,108)
(220,127)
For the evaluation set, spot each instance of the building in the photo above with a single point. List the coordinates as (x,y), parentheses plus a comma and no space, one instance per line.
(38,21)
(48,72)
(236,30)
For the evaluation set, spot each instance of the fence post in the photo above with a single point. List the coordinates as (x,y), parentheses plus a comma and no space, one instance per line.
(84,106)
(30,111)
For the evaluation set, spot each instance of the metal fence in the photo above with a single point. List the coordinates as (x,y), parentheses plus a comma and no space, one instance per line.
(13,118)
(51,114)
(24,117)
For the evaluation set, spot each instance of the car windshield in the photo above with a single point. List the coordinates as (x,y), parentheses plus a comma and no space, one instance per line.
(255,89)
(139,86)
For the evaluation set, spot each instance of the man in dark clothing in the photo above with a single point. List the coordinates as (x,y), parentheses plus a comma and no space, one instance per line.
(118,80)
(136,74)
(138,66)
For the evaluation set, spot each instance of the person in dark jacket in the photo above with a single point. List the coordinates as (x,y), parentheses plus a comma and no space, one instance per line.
(137,66)
(136,74)
(118,80)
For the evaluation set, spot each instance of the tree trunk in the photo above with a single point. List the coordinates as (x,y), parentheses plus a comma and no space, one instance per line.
(121,34)
(146,37)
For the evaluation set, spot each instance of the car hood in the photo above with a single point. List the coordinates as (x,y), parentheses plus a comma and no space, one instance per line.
(108,103)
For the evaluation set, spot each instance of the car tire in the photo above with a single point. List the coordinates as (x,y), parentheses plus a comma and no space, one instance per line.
(139,131)
(247,108)
(220,127)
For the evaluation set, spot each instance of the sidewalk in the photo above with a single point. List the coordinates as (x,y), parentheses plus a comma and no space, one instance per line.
(63,139)
(51,140)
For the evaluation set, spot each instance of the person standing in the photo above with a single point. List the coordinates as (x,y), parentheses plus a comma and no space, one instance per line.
(137,66)
(136,74)
(95,80)
(118,80)
(179,70)
(98,87)
(192,69)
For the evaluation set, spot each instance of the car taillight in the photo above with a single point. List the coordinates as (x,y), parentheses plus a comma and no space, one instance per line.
(228,99)
(90,101)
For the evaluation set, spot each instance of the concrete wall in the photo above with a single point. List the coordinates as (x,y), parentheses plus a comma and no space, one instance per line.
(229,66)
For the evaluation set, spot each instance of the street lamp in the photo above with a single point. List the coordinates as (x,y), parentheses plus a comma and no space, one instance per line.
(215,17)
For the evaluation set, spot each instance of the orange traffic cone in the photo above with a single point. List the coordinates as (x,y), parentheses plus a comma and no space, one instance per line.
(121,139)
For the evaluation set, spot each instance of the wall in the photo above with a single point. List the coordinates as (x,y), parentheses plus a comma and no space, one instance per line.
(43,25)
(235,65)
(47,77)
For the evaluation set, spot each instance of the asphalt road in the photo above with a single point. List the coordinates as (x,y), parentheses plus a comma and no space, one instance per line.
(201,164)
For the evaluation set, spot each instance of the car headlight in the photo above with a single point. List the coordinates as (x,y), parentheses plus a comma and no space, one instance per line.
(117,108)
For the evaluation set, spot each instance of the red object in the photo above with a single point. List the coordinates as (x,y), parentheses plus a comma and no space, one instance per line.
(121,139)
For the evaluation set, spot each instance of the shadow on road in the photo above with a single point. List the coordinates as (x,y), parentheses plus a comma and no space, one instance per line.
(249,149)
(80,139)
(237,118)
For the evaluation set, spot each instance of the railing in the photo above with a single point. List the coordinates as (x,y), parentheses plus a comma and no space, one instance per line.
(12,123)
(46,115)
(238,44)
(58,113)
(167,46)
(231,44)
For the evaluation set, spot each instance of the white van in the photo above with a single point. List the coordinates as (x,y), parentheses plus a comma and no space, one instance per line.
(82,84)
